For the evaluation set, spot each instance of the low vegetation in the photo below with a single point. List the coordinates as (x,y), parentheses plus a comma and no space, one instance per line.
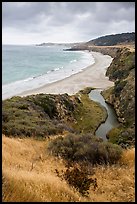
(122,64)
(88,114)
(122,97)
(110,40)
(78,148)
(81,153)
(46,114)
(29,175)
(122,136)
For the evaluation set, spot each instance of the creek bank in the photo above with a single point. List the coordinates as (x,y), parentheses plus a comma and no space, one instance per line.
(111,119)
(122,97)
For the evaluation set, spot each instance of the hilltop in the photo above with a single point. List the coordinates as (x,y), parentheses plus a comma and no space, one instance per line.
(115,39)
(107,40)
(108,44)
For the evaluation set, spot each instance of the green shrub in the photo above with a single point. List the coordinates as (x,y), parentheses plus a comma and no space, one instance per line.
(120,74)
(47,103)
(119,85)
(122,136)
(5,116)
(49,114)
(77,148)
(22,117)
(23,107)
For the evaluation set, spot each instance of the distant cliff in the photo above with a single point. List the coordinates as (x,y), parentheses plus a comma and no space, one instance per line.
(57,44)
(108,44)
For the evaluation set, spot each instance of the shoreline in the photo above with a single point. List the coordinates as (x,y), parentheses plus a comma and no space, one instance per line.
(91,76)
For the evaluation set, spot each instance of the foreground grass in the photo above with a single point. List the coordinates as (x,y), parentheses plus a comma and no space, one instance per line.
(29,175)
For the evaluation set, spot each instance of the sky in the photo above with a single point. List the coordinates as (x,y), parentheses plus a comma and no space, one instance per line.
(64,22)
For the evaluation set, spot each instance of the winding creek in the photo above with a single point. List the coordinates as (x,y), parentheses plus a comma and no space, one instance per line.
(111,120)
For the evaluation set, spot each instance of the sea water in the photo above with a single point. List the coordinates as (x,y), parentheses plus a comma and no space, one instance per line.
(29,67)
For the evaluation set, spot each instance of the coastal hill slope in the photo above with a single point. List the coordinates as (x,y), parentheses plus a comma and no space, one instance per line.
(122,72)
(107,40)
(110,40)
(66,124)
(42,115)
(29,175)
(122,95)
(108,44)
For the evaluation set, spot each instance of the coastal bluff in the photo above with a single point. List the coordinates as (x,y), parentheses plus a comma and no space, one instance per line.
(43,115)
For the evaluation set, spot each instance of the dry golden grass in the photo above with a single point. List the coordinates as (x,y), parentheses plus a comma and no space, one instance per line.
(29,175)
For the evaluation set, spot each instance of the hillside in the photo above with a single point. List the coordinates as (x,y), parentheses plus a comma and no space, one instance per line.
(38,128)
(122,71)
(110,40)
(29,175)
(122,96)
(108,44)
(48,114)
(33,160)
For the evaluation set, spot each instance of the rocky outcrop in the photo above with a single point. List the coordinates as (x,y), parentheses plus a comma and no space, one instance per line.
(105,50)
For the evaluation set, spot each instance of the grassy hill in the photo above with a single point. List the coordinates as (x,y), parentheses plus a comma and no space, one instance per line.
(29,175)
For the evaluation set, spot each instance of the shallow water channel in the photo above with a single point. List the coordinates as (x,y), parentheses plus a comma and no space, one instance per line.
(111,120)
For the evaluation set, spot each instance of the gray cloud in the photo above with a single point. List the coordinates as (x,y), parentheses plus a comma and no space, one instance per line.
(85,19)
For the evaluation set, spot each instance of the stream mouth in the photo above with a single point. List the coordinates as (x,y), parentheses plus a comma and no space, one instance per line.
(111,120)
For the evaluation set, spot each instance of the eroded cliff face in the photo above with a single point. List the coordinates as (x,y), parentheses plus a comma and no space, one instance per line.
(105,50)
(122,96)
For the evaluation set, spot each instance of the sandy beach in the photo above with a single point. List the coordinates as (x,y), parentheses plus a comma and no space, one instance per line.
(92,76)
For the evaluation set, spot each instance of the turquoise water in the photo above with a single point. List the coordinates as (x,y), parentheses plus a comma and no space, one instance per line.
(28,67)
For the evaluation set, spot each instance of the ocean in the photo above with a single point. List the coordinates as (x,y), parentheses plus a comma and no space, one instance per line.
(29,67)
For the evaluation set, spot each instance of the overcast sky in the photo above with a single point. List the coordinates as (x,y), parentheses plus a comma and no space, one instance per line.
(37,22)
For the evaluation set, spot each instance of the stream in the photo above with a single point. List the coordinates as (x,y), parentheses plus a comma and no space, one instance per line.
(111,120)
